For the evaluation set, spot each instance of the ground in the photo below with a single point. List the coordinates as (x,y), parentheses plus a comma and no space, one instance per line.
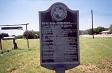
(95,57)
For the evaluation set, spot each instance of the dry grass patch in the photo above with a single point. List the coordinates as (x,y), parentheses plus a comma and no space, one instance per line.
(105,66)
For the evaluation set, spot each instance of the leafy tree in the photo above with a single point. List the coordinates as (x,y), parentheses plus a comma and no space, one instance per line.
(95,30)
(89,31)
(36,34)
(3,35)
(99,29)
(31,34)
(110,28)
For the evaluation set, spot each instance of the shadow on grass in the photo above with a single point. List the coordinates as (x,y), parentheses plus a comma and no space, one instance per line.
(5,51)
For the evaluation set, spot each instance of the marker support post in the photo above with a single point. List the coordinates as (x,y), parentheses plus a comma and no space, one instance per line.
(60,70)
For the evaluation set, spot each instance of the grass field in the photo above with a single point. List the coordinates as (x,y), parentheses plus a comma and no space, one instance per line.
(95,57)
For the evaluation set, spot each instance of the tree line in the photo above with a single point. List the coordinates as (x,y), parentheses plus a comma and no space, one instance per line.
(97,30)
(30,34)
(27,34)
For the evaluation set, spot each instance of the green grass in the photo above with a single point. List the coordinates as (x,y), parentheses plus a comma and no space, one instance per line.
(22,43)
(95,57)
(94,50)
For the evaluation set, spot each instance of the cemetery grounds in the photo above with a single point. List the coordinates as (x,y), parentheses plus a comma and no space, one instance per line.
(95,56)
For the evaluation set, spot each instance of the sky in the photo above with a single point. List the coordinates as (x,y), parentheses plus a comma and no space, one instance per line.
(27,11)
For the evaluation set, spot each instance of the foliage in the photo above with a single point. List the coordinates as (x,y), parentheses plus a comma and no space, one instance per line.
(36,34)
(89,31)
(110,28)
(4,35)
(111,31)
(31,34)
(19,37)
(82,32)
(98,30)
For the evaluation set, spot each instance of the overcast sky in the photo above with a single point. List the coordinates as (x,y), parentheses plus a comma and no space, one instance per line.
(26,11)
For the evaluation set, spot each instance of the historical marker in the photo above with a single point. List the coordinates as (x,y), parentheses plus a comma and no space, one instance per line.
(59,37)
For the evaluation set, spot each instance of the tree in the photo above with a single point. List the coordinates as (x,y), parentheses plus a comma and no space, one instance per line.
(36,34)
(82,32)
(31,34)
(95,30)
(99,29)
(110,28)
(3,35)
(89,31)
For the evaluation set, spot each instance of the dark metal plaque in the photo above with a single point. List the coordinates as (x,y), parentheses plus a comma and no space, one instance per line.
(59,37)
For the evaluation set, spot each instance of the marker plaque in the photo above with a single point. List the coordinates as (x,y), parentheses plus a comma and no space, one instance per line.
(59,37)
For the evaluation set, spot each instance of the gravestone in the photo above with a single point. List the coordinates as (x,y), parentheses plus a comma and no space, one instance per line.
(59,37)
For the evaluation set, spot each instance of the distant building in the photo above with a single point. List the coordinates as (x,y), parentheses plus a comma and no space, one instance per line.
(105,32)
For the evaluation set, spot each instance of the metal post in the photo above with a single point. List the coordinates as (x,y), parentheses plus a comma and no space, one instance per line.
(60,70)
(14,43)
(92,23)
(27,37)
(1,44)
